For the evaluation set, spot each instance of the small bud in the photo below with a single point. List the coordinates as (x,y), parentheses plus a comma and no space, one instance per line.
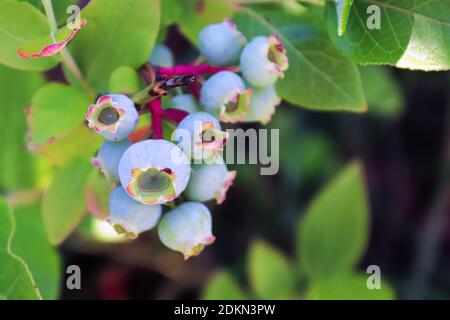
(224,95)
(114,116)
(130,217)
(187,229)
(199,135)
(154,171)
(263,61)
(108,158)
(221,43)
(210,181)
(262,105)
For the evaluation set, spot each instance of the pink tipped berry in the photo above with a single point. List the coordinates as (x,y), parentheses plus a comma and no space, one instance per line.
(263,61)
(200,136)
(108,158)
(130,217)
(224,95)
(221,43)
(154,171)
(114,116)
(262,105)
(210,181)
(187,229)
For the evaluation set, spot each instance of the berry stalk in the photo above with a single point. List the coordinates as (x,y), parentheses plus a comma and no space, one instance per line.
(156,111)
(193,69)
(175,115)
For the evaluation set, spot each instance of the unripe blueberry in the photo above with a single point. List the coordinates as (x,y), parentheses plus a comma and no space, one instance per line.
(154,171)
(130,217)
(262,105)
(224,95)
(109,156)
(263,61)
(187,229)
(199,135)
(210,181)
(113,116)
(185,102)
(162,56)
(221,43)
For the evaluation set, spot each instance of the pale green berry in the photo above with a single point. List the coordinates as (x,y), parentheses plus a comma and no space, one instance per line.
(263,61)
(130,217)
(209,182)
(262,105)
(187,229)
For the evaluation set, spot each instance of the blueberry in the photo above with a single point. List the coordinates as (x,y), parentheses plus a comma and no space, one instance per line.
(262,105)
(263,61)
(199,135)
(185,102)
(162,56)
(210,181)
(221,43)
(187,229)
(114,116)
(224,95)
(154,171)
(108,158)
(129,216)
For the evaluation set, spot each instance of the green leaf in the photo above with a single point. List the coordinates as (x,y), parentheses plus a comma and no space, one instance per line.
(333,234)
(319,77)
(343,8)
(382,92)
(124,80)
(222,286)
(411,35)
(271,276)
(80,143)
(117,33)
(16,281)
(19,23)
(17,166)
(349,287)
(31,243)
(56,110)
(64,204)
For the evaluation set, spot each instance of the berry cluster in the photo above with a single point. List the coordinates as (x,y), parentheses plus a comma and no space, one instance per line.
(150,172)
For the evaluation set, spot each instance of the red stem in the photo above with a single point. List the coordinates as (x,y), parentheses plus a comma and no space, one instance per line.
(190,69)
(156,111)
(175,115)
(194,89)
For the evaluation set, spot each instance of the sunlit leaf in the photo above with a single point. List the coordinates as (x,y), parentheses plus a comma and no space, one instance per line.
(271,276)
(30,242)
(16,281)
(118,33)
(64,203)
(17,165)
(349,287)
(409,35)
(222,286)
(319,77)
(56,110)
(333,234)
(21,22)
